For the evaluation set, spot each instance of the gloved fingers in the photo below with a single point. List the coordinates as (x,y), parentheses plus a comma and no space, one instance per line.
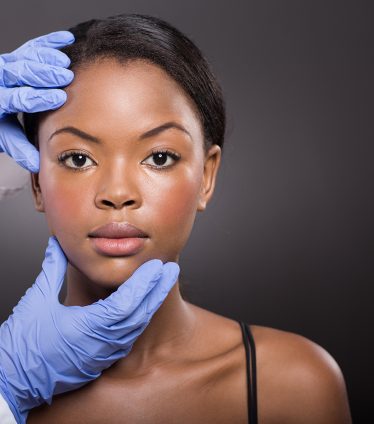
(35,74)
(112,352)
(13,142)
(101,347)
(118,354)
(143,314)
(122,335)
(130,337)
(48,283)
(127,297)
(54,265)
(123,342)
(29,99)
(94,362)
(56,39)
(93,366)
(45,55)
(154,299)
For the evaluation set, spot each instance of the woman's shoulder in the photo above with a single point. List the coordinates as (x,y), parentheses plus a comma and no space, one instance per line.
(286,346)
(298,380)
(280,350)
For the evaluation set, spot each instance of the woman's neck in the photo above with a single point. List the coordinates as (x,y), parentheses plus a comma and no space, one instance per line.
(170,329)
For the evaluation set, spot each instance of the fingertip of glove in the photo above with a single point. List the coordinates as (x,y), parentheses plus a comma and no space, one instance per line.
(33,164)
(55,247)
(30,164)
(52,241)
(34,169)
(154,265)
(152,268)
(173,268)
(62,95)
(56,96)
(61,36)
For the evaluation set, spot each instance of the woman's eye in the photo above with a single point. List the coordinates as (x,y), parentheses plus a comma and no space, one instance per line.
(74,160)
(161,158)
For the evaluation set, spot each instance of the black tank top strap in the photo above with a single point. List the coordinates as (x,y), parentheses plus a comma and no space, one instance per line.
(250,350)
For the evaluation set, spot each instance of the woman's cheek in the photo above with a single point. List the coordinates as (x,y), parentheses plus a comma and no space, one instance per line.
(62,202)
(178,209)
(181,205)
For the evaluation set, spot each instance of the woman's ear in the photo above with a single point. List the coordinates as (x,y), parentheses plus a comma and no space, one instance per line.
(36,192)
(211,166)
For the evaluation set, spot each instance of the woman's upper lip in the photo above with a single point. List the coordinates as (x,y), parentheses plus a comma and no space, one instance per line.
(117,230)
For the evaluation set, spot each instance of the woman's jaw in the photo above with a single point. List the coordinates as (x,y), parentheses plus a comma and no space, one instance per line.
(83,289)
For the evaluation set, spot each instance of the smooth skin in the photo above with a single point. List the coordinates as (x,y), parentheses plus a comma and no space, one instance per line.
(189,364)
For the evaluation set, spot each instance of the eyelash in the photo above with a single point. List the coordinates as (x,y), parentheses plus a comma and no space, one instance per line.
(61,158)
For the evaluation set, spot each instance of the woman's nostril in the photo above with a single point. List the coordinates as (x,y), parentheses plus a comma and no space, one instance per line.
(117,204)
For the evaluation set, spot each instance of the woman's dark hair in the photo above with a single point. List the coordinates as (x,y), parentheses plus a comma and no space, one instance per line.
(134,36)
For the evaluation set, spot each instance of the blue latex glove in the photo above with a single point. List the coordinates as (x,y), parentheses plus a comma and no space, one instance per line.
(47,348)
(28,79)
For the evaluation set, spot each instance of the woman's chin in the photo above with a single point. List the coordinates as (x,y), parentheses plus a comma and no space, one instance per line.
(112,281)
(103,276)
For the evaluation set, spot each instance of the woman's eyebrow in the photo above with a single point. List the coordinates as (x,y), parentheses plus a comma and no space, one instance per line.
(148,134)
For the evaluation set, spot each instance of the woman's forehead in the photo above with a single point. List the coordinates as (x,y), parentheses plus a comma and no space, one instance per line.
(115,96)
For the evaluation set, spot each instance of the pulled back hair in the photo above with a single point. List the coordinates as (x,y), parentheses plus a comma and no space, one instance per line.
(133,36)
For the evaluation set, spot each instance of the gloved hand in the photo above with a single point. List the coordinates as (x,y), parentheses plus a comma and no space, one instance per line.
(47,348)
(23,73)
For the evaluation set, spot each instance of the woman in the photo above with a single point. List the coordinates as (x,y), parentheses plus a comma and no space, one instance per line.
(139,141)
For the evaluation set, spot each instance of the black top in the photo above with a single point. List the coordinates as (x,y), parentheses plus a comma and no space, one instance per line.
(250,351)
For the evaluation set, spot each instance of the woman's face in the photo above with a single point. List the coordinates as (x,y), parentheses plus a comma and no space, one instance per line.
(115,179)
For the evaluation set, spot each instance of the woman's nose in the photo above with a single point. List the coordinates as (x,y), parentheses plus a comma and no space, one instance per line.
(117,188)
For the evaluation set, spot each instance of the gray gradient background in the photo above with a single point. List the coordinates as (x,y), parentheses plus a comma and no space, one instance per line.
(287,240)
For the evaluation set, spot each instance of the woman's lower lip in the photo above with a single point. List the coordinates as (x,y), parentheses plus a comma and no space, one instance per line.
(118,247)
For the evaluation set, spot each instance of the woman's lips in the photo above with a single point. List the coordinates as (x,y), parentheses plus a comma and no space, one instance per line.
(118,246)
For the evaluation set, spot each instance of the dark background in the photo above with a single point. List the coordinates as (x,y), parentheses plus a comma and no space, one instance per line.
(287,240)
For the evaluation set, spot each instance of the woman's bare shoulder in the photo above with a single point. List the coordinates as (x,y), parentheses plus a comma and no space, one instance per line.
(298,380)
